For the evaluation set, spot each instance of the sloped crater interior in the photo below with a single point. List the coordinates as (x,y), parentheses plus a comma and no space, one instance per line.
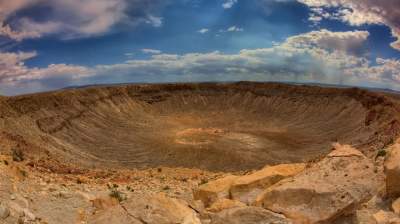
(223,127)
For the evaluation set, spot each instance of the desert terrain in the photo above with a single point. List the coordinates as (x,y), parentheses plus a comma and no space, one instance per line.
(200,153)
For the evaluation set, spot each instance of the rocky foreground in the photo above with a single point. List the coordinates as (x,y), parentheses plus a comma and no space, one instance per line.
(343,187)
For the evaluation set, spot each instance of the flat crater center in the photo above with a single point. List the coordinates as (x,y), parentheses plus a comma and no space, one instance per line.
(199,136)
(207,136)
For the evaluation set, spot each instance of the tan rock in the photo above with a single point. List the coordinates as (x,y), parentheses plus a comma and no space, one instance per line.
(214,190)
(18,173)
(115,214)
(392,171)
(248,187)
(344,150)
(396,206)
(366,211)
(15,209)
(4,212)
(248,215)
(156,209)
(104,202)
(60,209)
(160,209)
(199,208)
(383,217)
(223,204)
(333,187)
(364,216)
(29,216)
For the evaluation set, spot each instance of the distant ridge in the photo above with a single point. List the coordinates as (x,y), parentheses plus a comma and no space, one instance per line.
(386,90)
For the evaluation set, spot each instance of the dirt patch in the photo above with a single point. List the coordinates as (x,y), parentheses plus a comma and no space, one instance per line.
(205,136)
(198,136)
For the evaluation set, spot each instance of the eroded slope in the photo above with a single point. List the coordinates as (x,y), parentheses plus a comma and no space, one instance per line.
(209,126)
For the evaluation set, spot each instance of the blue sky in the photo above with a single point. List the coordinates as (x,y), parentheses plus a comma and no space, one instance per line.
(51,44)
(179,33)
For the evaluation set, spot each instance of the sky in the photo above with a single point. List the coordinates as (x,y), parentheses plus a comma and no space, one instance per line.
(52,44)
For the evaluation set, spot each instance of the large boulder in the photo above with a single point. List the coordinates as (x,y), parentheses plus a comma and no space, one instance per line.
(156,209)
(396,206)
(115,214)
(392,171)
(212,191)
(247,188)
(223,204)
(365,214)
(385,217)
(335,186)
(248,215)
(104,202)
(4,212)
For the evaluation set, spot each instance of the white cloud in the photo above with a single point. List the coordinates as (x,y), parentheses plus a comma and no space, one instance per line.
(74,18)
(385,71)
(229,4)
(351,42)
(5,30)
(9,7)
(12,64)
(234,29)
(151,51)
(359,12)
(203,31)
(13,69)
(318,56)
(155,21)
(231,29)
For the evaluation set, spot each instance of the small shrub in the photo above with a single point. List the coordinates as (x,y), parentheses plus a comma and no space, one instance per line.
(166,188)
(24,173)
(381,153)
(159,169)
(128,188)
(5,162)
(17,155)
(203,181)
(109,186)
(114,193)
